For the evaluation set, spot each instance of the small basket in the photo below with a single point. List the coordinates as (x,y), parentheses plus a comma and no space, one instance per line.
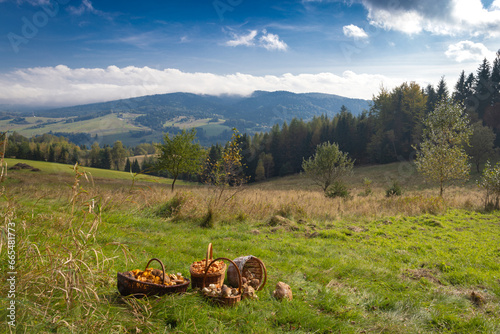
(225,301)
(198,279)
(128,285)
(247,263)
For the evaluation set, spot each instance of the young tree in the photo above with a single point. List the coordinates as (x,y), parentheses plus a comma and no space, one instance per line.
(481,144)
(491,182)
(127,165)
(441,156)
(226,176)
(260,171)
(179,154)
(327,165)
(136,168)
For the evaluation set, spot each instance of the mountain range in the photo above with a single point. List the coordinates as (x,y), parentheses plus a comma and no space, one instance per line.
(155,114)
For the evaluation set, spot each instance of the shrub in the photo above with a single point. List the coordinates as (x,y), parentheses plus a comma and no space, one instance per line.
(394,190)
(173,206)
(338,189)
(291,210)
(367,187)
(208,220)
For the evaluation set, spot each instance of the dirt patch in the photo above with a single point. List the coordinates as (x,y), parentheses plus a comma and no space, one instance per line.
(477,299)
(357,229)
(278,223)
(21,165)
(417,274)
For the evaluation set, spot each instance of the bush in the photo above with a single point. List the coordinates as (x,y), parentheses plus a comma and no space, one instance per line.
(208,220)
(394,190)
(291,210)
(173,206)
(367,187)
(338,189)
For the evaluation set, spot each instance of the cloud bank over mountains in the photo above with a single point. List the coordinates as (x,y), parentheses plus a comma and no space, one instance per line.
(63,86)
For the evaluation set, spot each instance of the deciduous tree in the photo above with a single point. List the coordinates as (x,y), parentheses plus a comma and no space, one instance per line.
(179,154)
(441,156)
(327,165)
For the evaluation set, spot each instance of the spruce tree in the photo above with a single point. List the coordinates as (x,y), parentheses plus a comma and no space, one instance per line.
(483,89)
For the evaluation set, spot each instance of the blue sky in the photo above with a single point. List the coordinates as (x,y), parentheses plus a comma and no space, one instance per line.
(67,52)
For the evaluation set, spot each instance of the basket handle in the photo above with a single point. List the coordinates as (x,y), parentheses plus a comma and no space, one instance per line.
(234,264)
(162,267)
(265,273)
(209,256)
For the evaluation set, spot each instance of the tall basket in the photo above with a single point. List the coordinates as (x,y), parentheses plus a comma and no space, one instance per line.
(198,279)
(225,301)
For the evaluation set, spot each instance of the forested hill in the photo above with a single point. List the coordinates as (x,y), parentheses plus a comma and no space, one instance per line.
(265,108)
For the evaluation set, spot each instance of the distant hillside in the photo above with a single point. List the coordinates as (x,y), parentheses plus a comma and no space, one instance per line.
(264,108)
(275,107)
(145,119)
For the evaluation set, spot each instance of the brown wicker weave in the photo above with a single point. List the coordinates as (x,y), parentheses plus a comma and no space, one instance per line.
(224,301)
(248,263)
(128,285)
(197,279)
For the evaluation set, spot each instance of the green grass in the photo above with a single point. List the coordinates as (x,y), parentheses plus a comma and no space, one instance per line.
(394,274)
(214,129)
(96,173)
(105,125)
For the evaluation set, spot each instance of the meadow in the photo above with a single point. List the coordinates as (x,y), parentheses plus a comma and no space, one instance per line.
(414,263)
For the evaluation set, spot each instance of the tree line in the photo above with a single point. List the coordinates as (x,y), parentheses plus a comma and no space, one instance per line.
(51,148)
(386,133)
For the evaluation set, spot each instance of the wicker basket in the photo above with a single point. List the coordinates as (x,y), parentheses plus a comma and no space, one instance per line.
(224,301)
(198,279)
(128,285)
(247,263)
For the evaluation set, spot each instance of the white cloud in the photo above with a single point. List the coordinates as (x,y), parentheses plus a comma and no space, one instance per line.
(85,7)
(447,17)
(63,86)
(354,32)
(245,40)
(495,5)
(469,51)
(272,42)
(267,40)
(407,22)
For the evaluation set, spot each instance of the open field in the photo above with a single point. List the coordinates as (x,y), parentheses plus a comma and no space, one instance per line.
(370,264)
(65,172)
(106,125)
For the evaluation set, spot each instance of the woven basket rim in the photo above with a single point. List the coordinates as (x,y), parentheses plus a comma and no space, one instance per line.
(224,298)
(128,278)
(217,273)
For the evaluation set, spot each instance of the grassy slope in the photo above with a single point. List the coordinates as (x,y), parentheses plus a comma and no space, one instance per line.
(96,173)
(105,125)
(395,274)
